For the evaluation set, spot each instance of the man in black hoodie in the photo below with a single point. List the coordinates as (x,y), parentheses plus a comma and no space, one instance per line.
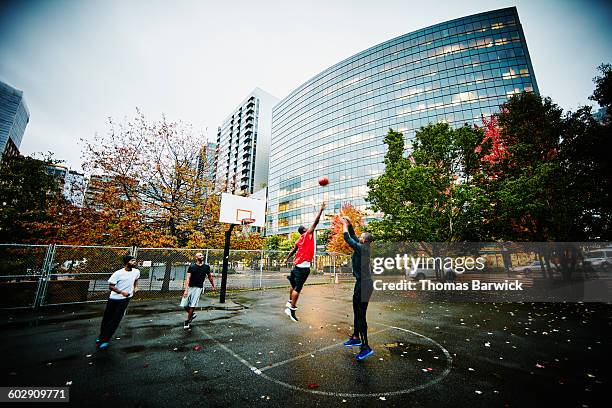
(363,287)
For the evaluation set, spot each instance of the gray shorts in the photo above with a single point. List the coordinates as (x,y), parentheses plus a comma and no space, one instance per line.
(193,297)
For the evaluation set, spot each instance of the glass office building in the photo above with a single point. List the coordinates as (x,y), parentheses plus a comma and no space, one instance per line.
(335,123)
(14,117)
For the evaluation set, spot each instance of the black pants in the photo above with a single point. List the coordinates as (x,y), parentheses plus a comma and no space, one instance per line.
(297,278)
(361,296)
(115,309)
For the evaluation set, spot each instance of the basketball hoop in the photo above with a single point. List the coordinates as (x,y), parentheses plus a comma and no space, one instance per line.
(246,226)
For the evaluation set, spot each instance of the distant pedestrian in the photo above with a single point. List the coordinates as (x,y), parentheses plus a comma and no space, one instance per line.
(122,284)
(194,285)
(506,259)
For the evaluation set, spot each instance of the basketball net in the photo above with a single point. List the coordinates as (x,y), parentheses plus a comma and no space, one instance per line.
(246,226)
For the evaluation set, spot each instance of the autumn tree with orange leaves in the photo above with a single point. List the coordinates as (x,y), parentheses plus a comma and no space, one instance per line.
(156,185)
(336,241)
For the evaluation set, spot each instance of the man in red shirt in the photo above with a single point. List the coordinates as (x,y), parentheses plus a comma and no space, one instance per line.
(305,248)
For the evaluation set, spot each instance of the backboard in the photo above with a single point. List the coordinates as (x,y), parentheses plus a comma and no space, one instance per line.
(236,208)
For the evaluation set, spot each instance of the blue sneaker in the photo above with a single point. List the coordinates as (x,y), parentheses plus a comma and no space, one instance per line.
(352,342)
(103,346)
(364,353)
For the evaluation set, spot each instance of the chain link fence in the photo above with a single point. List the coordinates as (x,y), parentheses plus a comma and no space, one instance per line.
(41,275)
(21,268)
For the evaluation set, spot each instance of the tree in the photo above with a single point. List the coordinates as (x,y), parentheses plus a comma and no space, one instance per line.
(603,87)
(336,241)
(27,192)
(288,242)
(155,169)
(492,142)
(521,182)
(552,183)
(432,195)
(323,237)
(273,243)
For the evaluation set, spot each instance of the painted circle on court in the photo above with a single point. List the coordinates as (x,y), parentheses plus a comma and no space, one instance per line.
(408,390)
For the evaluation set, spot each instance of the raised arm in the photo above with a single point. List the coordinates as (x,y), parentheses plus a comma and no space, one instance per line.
(316,221)
(351,231)
(349,234)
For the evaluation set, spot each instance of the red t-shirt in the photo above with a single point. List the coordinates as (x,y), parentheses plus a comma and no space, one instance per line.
(305,251)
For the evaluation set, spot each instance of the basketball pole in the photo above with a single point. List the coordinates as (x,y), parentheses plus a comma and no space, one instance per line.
(226,249)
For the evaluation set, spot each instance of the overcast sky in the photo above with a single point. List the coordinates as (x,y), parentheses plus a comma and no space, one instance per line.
(79,62)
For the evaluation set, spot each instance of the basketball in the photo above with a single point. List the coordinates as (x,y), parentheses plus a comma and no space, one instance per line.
(323,181)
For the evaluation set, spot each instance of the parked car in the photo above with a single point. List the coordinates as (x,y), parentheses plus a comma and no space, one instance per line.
(429,273)
(535,266)
(599,258)
(72,264)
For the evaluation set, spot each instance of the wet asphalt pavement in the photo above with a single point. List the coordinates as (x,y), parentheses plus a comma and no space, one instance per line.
(428,352)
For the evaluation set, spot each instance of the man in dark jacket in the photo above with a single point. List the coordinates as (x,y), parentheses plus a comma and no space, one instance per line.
(363,287)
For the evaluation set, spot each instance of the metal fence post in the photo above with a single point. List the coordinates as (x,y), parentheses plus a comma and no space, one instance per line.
(261,262)
(206,259)
(43,281)
(335,274)
(41,278)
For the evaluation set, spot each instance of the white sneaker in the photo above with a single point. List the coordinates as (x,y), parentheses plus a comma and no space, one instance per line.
(288,304)
(291,313)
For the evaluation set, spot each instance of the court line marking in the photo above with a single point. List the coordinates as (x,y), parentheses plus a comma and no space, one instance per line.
(259,372)
(280,363)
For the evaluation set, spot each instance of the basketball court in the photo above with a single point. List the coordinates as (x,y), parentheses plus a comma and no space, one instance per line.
(247,351)
(243,350)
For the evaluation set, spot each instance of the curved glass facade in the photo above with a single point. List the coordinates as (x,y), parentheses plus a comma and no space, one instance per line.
(334,124)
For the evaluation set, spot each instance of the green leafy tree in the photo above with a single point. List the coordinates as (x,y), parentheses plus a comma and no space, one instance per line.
(524,183)
(273,243)
(432,195)
(603,87)
(287,244)
(553,183)
(27,192)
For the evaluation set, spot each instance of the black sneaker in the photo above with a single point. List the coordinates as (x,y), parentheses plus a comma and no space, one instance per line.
(291,313)
(193,316)
(186,324)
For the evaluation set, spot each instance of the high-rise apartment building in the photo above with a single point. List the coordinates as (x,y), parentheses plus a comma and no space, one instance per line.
(70,182)
(243,145)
